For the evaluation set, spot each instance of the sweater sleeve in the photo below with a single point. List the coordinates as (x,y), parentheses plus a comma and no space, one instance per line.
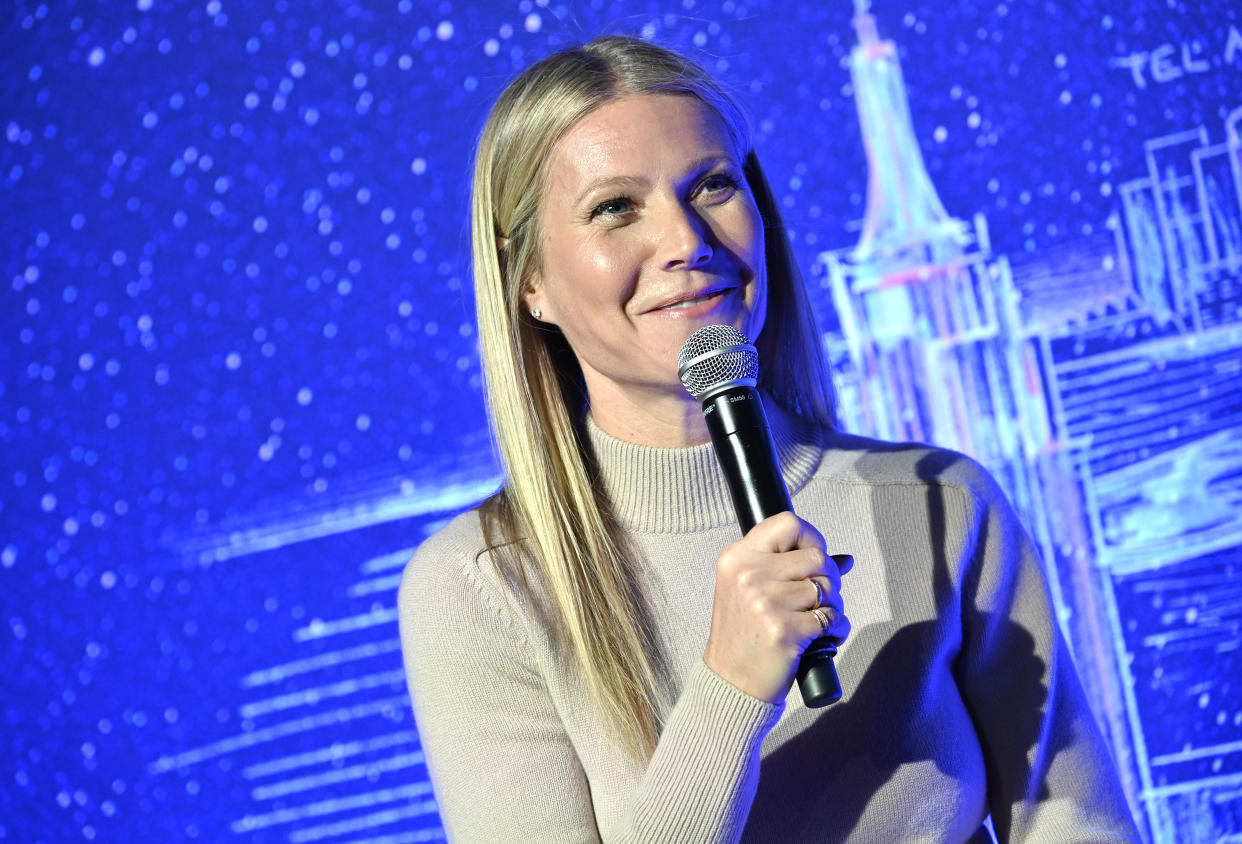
(501,762)
(501,767)
(1050,774)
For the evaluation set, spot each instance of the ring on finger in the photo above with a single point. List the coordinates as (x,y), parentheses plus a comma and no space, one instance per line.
(819,593)
(822,618)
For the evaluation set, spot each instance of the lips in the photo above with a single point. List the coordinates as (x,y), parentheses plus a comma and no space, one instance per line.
(685,301)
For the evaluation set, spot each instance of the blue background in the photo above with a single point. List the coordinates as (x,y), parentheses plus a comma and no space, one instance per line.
(240,379)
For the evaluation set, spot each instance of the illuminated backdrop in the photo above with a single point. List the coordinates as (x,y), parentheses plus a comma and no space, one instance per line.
(240,379)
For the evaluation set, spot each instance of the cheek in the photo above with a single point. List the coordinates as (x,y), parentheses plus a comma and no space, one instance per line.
(564,262)
(741,231)
(601,262)
(587,276)
(757,301)
(755,233)
(757,258)
(607,269)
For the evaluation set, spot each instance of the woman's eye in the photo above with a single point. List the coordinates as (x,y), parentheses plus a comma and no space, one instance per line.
(718,186)
(612,208)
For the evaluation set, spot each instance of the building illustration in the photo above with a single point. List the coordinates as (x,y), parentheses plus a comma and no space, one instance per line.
(1101,383)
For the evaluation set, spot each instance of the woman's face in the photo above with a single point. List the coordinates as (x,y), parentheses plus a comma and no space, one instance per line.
(649,232)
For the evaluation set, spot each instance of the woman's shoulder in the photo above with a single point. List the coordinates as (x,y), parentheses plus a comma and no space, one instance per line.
(856,459)
(454,566)
(460,536)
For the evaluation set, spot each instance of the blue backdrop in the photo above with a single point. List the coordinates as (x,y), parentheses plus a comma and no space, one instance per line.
(240,379)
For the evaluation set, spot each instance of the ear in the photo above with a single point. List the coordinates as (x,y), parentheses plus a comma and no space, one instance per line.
(534,300)
(529,294)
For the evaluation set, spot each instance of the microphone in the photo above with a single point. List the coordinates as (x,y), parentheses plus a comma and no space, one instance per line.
(719,367)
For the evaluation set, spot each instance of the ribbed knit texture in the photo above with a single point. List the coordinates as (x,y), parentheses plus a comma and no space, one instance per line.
(960,697)
(676,490)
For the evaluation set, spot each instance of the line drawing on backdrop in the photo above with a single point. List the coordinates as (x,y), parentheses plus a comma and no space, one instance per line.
(1099,382)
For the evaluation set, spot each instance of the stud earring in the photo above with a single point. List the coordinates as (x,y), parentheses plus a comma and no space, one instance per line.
(536,313)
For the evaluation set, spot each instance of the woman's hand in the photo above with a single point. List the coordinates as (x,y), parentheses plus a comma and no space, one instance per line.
(761,618)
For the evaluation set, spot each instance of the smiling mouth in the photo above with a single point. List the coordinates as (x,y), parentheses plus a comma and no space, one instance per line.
(707,296)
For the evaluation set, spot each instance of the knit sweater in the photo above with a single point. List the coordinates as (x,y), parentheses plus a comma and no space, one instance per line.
(960,697)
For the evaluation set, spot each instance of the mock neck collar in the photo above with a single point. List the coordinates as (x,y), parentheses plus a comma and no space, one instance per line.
(681,490)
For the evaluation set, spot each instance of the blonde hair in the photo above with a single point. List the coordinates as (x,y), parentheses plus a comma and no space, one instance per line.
(551,513)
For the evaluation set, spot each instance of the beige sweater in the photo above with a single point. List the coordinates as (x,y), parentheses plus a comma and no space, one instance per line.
(960,697)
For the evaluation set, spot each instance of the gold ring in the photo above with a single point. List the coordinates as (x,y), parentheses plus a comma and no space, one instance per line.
(822,617)
(819,593)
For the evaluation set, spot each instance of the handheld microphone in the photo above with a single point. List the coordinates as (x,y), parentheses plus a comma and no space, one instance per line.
(719,367)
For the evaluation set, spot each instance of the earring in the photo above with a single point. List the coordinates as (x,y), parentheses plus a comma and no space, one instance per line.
(536,313)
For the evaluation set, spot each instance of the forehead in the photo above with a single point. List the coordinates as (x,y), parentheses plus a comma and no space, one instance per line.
(636,133)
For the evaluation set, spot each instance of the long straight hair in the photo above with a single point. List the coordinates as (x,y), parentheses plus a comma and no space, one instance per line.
(551,521)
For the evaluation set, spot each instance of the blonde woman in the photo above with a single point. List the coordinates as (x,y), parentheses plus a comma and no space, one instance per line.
(592,653)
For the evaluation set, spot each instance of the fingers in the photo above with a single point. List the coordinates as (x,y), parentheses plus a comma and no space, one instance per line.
(825,597)
(784,532)
(821,593)
(826,622)
(777,590)
(828,607)
(787,532)
(826,579)
(839,626)
(824,619)
(787,548)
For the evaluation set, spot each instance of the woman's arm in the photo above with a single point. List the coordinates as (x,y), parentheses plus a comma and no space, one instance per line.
(500,759)
(1050,774)
(500,762)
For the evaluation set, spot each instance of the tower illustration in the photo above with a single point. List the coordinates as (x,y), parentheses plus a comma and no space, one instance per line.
(1097,381)
(926,311)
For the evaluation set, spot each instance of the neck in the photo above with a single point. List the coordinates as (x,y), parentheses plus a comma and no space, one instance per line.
(664,489)
(659,417)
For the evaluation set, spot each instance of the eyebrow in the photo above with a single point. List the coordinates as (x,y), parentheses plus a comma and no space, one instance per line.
(608,183)
(697,167)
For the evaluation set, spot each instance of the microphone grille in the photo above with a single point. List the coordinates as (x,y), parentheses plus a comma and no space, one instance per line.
(714,358)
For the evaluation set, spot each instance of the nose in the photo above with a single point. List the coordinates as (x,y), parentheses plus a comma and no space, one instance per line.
(686,239)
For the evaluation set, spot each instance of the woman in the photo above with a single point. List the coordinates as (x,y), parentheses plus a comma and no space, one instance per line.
(592,653)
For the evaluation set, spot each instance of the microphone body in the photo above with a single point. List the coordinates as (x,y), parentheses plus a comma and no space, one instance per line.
(743,443)
(747,455)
